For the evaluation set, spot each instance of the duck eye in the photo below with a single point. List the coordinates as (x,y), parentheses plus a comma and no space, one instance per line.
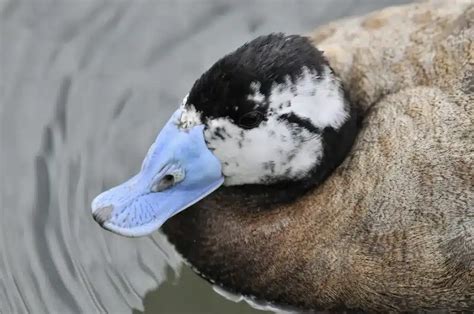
(250,119)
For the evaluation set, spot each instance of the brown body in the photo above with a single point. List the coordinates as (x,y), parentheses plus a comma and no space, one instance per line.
(393,227)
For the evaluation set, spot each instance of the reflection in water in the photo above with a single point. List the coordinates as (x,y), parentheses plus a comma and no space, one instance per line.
(85,87)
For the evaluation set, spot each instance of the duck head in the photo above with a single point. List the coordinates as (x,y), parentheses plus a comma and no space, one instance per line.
(272,113)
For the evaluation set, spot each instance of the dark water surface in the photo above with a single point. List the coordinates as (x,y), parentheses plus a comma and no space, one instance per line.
(85,87)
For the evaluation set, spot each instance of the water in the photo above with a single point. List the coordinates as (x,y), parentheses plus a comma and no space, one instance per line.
(85,87)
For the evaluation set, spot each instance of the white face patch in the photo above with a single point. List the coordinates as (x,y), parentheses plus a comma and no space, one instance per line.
(318,99)
(273,151)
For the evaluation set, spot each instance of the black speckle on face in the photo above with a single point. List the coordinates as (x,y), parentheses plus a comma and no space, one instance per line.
(219,133)
(293,90)
(226,89)
(284,104)
(291,156)
(241,139)
(269,165)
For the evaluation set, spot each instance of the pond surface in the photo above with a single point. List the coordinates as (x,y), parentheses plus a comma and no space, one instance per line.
(85,87)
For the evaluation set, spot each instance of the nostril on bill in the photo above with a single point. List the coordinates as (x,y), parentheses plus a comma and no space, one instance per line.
(102,214)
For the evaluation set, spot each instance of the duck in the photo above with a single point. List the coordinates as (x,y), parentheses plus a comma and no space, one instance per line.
(329,171)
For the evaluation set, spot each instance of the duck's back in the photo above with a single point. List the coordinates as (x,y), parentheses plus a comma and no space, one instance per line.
(410,72)
(422,44)
(393,226)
